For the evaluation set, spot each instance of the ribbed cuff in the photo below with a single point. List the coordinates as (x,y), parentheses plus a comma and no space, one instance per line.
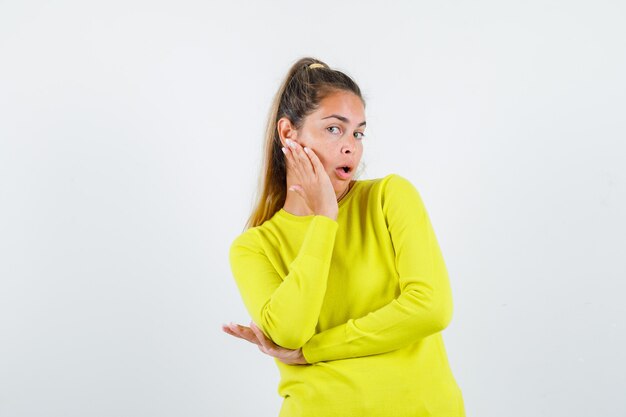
(325,346)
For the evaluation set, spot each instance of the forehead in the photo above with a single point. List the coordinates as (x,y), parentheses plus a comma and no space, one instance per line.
(344,103)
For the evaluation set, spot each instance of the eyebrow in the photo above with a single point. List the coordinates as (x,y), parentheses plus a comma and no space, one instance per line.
(343,119)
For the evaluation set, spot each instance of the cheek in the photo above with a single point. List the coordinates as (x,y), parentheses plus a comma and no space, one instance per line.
(324,162)
(322,155)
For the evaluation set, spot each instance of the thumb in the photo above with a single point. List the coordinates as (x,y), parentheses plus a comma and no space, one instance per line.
(298,190)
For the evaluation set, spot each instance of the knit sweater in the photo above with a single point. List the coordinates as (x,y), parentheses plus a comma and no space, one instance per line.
(366,298)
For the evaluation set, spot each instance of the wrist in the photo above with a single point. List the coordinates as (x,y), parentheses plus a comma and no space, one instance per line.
(331,214)
(301,359)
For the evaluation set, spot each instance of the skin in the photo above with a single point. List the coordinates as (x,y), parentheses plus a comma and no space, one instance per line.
(334,141)
(329,137)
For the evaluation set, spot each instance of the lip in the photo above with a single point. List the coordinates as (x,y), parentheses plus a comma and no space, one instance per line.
(343,175)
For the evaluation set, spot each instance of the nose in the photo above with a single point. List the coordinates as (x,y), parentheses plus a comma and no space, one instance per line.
(349,145)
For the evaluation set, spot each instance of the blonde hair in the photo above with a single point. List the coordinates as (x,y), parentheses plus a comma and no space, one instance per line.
(308,81)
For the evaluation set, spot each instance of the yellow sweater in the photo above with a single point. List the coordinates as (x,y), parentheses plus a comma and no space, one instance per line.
(366,298)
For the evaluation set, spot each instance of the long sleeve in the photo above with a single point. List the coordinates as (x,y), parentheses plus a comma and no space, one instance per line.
(286,309)
(424,305)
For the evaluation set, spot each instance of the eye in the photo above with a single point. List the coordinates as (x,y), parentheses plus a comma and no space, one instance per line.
(359,135)
(333,129)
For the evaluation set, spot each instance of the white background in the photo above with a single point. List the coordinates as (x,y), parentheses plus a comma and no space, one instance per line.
(130,143)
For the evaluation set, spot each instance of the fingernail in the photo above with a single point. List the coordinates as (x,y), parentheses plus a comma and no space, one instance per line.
(291,143)
(284,150)
(306,149)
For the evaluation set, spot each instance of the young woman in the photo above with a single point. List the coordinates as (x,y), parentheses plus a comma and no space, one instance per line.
(344,279)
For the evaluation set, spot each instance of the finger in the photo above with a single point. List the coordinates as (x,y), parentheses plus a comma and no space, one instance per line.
(232,332)
(300,193)
(301,163)
(241,332)
(267,343)
(288,156)
(302,158)
(292,161)
(247,334)
(298,190)
(259,333)
(315,161)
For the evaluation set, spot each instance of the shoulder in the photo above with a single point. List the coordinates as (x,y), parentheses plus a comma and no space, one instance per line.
(399,193)
(396,186)
(395,181)
(388,182)
(246,241)
(257,239)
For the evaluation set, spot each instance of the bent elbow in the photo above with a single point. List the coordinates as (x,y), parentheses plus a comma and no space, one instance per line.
(441,317)
(433,309)
(290,340)
(286,333)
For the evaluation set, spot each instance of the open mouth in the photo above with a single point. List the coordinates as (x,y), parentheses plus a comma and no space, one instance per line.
(344,172)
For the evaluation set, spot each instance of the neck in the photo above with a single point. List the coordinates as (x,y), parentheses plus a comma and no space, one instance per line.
(345,192)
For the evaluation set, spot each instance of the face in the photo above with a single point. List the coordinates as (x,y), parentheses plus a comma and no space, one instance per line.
(335,132)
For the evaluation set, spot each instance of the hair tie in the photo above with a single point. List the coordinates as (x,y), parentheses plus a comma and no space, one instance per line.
(316,65)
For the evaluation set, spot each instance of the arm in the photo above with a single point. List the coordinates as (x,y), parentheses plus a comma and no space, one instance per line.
(287,310)
(424,305)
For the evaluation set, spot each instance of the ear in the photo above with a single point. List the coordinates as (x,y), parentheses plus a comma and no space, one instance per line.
(286,130)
